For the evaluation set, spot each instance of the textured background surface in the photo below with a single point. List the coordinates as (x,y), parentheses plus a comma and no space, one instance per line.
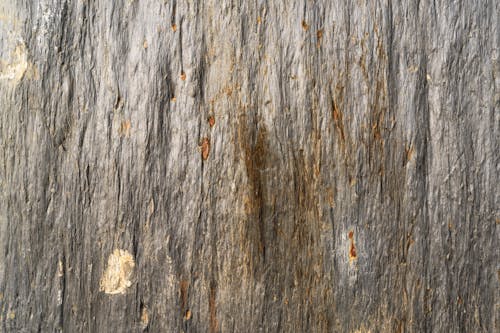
(349,181)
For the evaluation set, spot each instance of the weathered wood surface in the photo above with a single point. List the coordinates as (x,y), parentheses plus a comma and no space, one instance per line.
(249,166)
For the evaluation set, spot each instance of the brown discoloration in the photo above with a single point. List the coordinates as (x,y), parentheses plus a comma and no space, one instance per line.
(352,247)
(183,76)
(211,121)
(338,121)
(269,232)
(305,26)
(255,152)
(144,316)
(331,197)
(214,324)
(408,154)
(174,27)
(205,148)
(183,287)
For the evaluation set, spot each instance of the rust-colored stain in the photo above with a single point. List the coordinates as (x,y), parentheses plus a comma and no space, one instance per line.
(124,129)
(174,27)
(184,286)
(305,26)
(187,315)
(205,148)
(319,35)
(352,247)
(408,154)
(214,324)
(183,76)
(259,20)
(211,121)
(339,121)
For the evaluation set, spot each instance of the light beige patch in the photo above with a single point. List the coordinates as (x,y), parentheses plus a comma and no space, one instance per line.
(14,68)
(60,269)
(116,278)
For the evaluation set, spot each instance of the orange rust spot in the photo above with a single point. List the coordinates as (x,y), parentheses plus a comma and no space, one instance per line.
(205,148)
(460,300)
(183,76)
(187,315)
(211,121)
(184,285)
(259,20)
(174,27)
(124,128)
(305,26)
(352,248)
(214,324)
(173,99)
(319,35)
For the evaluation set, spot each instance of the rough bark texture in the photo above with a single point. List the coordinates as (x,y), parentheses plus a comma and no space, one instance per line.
(249,166)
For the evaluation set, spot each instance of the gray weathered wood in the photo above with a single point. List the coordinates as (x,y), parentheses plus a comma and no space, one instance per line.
(249,166)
